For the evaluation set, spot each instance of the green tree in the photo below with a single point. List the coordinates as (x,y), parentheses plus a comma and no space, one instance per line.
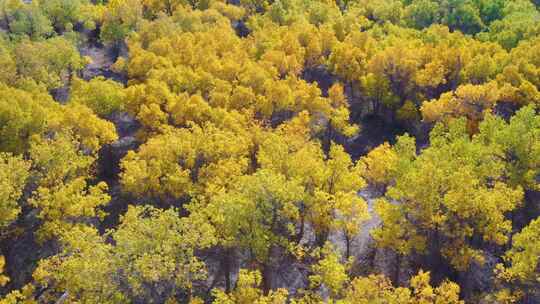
(49,62)
(64,14)
(120,18)
(103,96)
(25,19)
(453,191)
(151,258)
(422,13)
(257,215)
(519,140)
(520,270)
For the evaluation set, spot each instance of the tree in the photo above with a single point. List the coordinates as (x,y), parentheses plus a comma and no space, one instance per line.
(153,7)
(519,142)
(462,15)
(91,131)
(151,259)
(183,162)
(258,214)
(453,191)
(329,272)
(14,171)
(59,159)
(247,291)
(22,114)
(103,96)
(469,101)
(518,85)
(25,19)
(48,62)
(422,13)
(517,23)
(64,14)
(521,260)
(64,196)
(9,69)
(162,264)
(120,18)
(84,269)
(330,183)
(32,111)
(380,164)
(378,289)
(63,206)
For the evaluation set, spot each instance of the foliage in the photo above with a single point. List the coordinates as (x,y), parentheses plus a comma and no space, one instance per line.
(247,117)
(151,258)
(101,95)
(14,173)
(521,261)
(247,291)
(457,189)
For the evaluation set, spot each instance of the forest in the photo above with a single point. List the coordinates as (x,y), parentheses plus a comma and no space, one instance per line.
(269,151)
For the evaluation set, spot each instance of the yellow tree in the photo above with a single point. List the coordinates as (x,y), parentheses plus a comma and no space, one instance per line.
(384,163)
(22,114)
(330,182)
(247,291)
(378,289)
(14,173)
(183,162)
(470,101)
(64,197)
(331,272)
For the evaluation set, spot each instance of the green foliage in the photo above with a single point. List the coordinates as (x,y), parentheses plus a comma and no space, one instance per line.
(257,213)
(102,95)
(522,260)
(522,152)
(25,19)
(120,18)
(518,22)
(457,188)
(47,62)
(64,13)
(422,13)
(151,258)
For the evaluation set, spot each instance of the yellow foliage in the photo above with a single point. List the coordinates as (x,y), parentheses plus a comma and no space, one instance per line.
(247,291)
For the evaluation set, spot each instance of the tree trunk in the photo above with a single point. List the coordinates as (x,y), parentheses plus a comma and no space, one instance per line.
(321,237)
(267,277)
(226,265)
(347,245)
(398,266)
(6,20)
(300,233)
